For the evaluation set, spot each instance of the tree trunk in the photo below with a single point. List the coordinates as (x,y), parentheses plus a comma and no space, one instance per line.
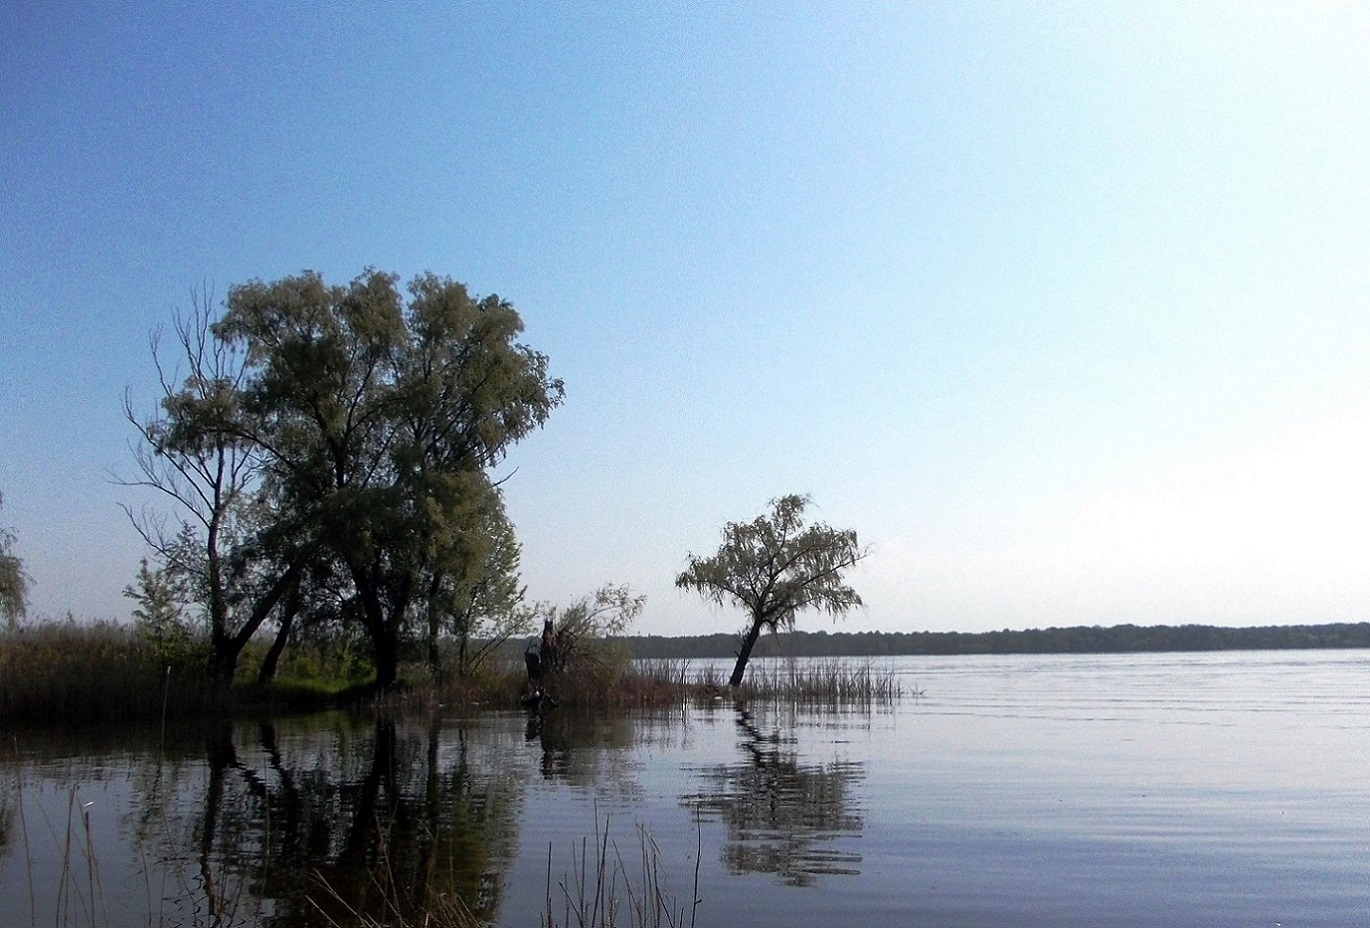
(223,664)
(387,655)
(434,627)
(383,621)
(267,673)
(742,656)
(226,649)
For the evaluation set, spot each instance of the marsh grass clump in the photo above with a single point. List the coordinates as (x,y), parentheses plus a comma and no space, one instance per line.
(625,685)
(657,684)
(98,670)
(826,682)
(616,894)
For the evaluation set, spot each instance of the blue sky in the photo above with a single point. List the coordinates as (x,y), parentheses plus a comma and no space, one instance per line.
(1061,307)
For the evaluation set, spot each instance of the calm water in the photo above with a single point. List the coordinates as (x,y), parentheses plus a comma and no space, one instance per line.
(1157,790)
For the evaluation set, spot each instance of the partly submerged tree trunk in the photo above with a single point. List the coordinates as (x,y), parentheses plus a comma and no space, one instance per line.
(745,654)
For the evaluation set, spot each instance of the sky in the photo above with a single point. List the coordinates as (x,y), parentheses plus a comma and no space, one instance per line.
(1062,307)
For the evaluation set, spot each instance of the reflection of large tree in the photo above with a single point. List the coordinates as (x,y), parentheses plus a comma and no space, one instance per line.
(783,816)
(381,823)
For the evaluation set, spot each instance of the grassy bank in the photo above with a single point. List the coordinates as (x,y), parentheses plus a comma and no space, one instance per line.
(93,671)
(106,671)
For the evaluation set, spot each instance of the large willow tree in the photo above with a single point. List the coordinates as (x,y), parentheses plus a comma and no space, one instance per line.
(379,418)
(372,416)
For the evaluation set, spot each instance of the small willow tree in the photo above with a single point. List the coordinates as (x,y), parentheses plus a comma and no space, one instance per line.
(14,581)
(774,567)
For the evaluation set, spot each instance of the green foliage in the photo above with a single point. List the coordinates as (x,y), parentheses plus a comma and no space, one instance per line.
(14,582)
(330,659)
(586,650)
(376,420)
(484,603)
(159,618)
(774,567)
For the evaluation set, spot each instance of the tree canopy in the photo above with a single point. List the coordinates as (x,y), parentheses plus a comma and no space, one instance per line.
(776,566)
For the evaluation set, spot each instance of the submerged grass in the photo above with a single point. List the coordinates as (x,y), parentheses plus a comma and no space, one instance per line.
(611,895)
(601,890)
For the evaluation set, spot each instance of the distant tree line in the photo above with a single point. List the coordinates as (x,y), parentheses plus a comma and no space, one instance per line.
(1093,639)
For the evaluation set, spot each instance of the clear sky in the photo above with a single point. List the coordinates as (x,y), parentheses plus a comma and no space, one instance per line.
(1062,307)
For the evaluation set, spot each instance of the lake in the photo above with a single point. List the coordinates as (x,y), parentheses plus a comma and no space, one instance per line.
(1216,789)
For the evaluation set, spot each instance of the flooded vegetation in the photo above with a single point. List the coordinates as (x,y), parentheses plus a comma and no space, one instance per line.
(1214,789)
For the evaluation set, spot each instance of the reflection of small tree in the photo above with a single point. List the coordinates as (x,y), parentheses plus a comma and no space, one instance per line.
(781,813)
(14,582)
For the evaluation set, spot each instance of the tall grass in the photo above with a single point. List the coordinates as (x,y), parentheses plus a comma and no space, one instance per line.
(102,670)
(835,682)
(611,895)
(99,670)
(655,684)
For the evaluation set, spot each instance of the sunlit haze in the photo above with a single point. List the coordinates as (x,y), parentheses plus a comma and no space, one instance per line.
(1062,308)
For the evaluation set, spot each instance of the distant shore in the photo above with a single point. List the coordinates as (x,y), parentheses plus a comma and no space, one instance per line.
(1116,639)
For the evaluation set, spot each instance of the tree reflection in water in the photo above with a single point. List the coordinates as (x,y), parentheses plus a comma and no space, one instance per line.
(782,816)
(588,749)
(315,830)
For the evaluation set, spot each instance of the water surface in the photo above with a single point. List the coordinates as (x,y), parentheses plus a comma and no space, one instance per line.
(1213,789)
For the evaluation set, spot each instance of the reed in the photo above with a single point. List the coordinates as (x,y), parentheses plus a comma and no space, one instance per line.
(820,683)
(601,890)
(655,684)
(98,670)
(612,895)
(103,670)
